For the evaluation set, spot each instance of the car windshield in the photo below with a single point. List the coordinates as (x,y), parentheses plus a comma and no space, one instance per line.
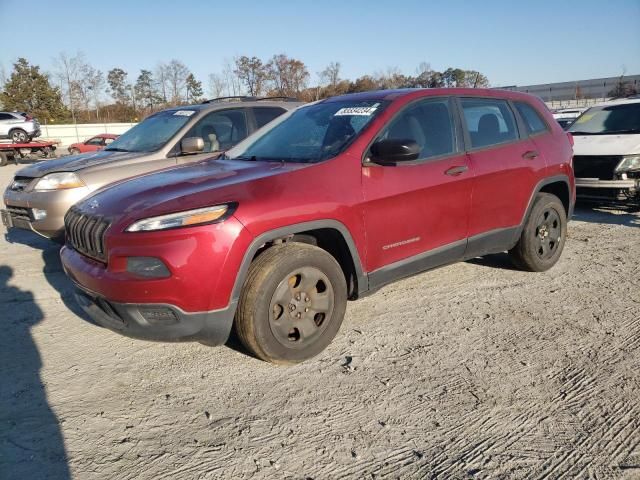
(311,133)
(152,133)
(607,120)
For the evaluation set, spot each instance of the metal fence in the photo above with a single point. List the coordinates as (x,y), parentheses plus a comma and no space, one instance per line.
(69,133)
(579,93)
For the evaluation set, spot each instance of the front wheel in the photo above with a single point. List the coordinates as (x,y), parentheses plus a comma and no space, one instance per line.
(543,236)
(74,151)
(292,304)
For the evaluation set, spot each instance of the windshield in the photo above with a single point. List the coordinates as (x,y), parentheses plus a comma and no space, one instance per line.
(610,119)
(152,133)
(311,133)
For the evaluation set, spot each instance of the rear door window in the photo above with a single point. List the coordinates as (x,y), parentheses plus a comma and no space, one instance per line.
(264,115)
(532,119)
(489,121)
(428,123)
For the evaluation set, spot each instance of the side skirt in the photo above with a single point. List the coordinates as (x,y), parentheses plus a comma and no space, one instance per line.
(487,243)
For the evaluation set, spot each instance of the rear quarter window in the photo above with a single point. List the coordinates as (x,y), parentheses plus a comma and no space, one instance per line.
(532,119)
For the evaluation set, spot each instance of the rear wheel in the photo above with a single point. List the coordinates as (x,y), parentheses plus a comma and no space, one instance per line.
(19,136)
(292,304)
(74,151)
(3,159)
(543,235)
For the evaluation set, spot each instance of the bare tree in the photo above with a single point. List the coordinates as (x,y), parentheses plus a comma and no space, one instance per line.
(330,76)
(288,75)
(162,76)
(68,72)
(252,73)
(218,86)
(176,76)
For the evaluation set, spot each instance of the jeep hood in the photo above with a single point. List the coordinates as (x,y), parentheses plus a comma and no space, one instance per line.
(628,144)
(182,188)
(74,163)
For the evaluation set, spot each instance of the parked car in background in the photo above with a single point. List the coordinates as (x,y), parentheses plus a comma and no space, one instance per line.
(19,127)
(565,123)
(41,194)
(607,150)
(93,144)
(566,116)
(329,202)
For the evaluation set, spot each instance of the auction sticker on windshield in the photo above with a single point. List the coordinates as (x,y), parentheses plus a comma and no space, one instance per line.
(184,113)
(365,111)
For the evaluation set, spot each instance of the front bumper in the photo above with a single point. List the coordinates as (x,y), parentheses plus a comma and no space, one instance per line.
(54,203)
(143,322)
(607,189)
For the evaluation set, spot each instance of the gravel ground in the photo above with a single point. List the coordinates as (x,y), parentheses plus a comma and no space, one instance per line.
(470,371)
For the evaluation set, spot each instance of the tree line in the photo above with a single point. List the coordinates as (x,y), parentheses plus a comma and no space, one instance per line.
(78,92)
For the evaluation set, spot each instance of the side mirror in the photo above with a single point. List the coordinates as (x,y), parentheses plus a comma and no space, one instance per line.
(390,152)
(192,145)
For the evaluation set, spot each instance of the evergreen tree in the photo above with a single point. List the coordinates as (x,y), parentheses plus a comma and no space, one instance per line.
(194,89)
(28,90)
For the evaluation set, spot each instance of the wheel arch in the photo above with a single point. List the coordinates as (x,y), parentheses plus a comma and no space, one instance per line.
(330,235)
(557,185)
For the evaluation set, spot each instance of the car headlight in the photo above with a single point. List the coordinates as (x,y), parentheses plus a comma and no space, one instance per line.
(630,162)
(188,218)
(59,181)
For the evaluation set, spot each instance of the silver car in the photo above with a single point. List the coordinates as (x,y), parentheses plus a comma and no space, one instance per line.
(19,127)
(41,193)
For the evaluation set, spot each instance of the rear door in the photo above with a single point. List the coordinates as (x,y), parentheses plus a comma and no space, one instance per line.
(419,206)
(264,115)
(504,162)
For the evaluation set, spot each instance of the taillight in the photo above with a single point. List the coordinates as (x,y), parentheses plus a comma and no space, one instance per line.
(570,138)
(28,118)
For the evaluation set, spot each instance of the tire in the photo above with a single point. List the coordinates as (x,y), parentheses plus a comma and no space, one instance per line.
(4,160)
(74,151)
(543,236)
(292,304)
(19,136)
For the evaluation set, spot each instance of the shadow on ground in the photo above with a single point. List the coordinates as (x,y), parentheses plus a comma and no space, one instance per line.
(31,442)
(612,213)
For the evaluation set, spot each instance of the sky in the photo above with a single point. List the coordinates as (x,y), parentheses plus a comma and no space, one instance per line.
(511,42)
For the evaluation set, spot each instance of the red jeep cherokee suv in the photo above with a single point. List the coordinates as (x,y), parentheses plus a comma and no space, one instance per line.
(330,202)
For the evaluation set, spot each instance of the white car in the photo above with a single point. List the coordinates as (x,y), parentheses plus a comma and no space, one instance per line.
(18,127)
(566,116)
(606,150)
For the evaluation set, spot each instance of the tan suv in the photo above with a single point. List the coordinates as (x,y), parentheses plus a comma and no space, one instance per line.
(41,194)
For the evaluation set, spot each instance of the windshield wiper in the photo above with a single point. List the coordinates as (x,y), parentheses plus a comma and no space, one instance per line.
(628,130)
(116,149)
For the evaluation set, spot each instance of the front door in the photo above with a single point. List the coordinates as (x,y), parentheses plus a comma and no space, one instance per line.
(416,214)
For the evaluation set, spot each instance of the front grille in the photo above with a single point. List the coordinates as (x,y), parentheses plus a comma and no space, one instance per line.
(20,183)
(19,212)
(602,167)
(85,233)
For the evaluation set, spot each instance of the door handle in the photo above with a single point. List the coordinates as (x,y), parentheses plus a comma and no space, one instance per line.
(530,155)
(455,171)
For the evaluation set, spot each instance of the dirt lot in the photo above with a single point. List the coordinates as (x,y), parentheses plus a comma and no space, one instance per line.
(470,371)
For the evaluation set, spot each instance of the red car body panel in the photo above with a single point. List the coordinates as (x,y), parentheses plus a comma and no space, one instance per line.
(416,207)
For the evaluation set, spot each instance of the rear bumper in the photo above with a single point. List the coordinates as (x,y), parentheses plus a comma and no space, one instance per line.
(159,322)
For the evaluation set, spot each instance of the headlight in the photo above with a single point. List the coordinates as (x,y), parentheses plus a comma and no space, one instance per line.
(630,162)
(59,181)
(189,218)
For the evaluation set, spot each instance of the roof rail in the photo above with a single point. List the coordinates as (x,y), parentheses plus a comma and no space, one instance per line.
(244,98)
(278,97)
